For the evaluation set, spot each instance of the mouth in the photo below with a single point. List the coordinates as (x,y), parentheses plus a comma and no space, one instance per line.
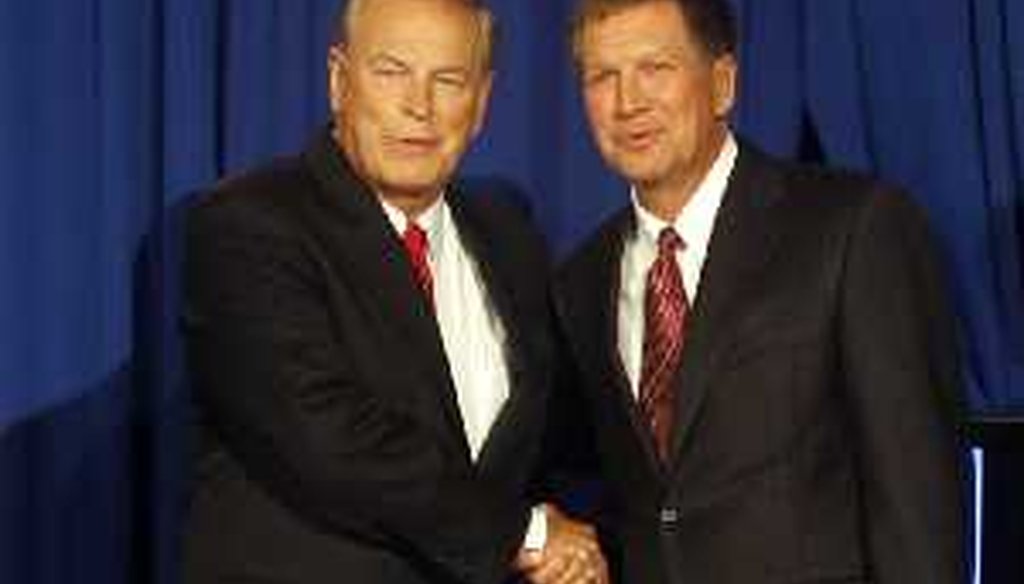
(639,140)
(413,145)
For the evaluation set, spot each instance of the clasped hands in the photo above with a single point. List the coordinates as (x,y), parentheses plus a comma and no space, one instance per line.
(571,554)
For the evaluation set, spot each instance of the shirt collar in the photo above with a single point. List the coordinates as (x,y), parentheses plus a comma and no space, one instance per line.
(697,219)
(430,219)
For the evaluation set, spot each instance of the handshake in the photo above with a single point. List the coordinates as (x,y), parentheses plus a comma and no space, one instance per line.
(571,554)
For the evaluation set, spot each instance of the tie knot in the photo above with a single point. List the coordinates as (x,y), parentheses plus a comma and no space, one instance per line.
(669,241)
(415,240)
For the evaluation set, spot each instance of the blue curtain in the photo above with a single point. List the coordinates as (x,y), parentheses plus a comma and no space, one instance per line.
(928,94)
(113,112)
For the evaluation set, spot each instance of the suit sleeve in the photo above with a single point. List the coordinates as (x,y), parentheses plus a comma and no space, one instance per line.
(899,360)
(281,392)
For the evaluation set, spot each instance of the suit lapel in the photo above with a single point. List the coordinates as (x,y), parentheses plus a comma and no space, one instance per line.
(492,249)
(361,242)
(598,299)
(491,265)
(741,247)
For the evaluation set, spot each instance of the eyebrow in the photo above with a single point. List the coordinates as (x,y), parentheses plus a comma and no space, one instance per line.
(452,70)
(386,59)
(651,54)
(390,59)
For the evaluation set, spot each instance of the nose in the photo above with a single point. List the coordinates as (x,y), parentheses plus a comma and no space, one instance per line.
(631,96)
(418,101)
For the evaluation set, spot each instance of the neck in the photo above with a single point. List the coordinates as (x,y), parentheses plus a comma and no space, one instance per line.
(411,204)
(665,202)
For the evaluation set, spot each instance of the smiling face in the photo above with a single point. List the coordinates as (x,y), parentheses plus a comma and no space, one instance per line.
(408,92)
(656,100)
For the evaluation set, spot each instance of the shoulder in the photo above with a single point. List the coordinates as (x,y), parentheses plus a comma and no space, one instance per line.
(495,199)
(245,229)
(850,217)
(262,200)
(593,255)
(858,200)
(500,211)
(263,189)
(827,195)
(605,239)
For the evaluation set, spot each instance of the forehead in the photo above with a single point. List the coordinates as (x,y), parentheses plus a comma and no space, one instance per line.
(635,31)
(435,30)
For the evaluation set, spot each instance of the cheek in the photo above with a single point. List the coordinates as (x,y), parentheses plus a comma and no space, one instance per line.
(371,110)
(457,122)
(371,101)
(687,109)
(600,116)
(595,102)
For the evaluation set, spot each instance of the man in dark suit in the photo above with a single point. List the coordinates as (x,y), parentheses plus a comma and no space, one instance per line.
(370,346)
(765,348)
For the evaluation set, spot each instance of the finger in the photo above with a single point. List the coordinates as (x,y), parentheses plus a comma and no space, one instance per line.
(564,567)
(593,568)
(590,576)
(600,572)
(550,567)
(589,544)
(574,571)
(585,566)
(527,560)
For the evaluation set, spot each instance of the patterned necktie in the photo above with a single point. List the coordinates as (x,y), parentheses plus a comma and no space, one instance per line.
(665,309)
(417,246)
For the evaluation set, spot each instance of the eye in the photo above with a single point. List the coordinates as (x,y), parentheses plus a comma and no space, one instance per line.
(595,77)
(387,67)
(656,66)
(453,79)
(387,70)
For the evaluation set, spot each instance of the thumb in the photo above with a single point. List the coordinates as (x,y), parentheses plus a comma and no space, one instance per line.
(528,560)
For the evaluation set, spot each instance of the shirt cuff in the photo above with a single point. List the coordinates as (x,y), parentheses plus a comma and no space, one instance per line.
(537,530)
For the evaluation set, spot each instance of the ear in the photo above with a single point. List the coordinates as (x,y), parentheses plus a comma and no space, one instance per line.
(723,84)
(337,76)
(483,98)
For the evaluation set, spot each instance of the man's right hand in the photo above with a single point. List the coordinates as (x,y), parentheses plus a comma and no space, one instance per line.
(571,554)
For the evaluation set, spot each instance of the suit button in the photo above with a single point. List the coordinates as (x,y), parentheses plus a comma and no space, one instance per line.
(668,516)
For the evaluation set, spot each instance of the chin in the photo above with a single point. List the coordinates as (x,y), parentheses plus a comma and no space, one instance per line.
(412,181)
(412,188)
(640,174)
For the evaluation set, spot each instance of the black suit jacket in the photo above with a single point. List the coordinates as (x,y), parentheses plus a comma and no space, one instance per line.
(331,446)
(815,437)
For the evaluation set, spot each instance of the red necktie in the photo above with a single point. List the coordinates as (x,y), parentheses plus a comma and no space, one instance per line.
(665,309)
(417,246)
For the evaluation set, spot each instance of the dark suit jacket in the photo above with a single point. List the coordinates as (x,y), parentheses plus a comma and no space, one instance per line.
(331,446)
(815,437)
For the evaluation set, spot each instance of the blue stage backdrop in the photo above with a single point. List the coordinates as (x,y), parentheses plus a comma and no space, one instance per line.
(113,111)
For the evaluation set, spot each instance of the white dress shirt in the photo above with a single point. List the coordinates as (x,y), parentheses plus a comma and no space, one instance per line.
(471,332)
(694,225)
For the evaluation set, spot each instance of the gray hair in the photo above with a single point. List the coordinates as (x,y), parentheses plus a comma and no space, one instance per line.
(348,14)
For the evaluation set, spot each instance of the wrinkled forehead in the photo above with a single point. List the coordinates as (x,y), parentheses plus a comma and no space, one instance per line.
(443,29)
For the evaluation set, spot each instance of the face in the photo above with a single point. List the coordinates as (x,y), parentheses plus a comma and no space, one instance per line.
(655,99)
(408,92)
